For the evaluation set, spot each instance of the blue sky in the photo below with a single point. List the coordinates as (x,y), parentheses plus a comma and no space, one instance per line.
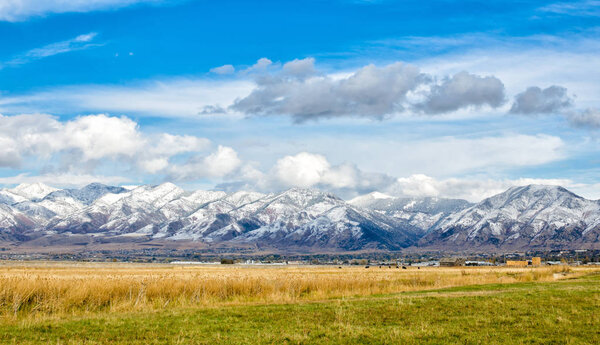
(411,98)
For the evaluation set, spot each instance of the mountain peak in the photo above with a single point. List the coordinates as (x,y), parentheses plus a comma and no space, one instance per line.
(521,217)
(532,188)
(550,193)
(366,199)
(166,186)
(36,190)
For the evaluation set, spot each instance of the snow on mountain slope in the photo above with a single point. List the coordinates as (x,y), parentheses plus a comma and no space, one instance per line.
(86,195)
(13,224)
(8,198)
(11,219)
(124,212)
(187,204)
(32,191)
(522,217)
(422,213)
(296,218)
(341,226)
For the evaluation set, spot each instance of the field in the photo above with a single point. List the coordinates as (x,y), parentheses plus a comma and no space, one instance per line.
(77,303)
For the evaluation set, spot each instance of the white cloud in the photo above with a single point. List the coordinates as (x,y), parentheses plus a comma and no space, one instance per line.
(222,162)
(225,69)
(261,65)
(218,164)
(310,170)
(80,42)
(87,140)
(302,170)
(18,10)
(95,139)
(102,136)
(300,68)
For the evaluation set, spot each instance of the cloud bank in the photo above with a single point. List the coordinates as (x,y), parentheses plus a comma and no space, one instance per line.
(85,148)
(299,90)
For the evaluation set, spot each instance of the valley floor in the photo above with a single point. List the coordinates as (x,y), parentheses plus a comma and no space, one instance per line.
(544,311)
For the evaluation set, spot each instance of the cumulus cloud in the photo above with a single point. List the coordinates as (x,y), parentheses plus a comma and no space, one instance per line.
(302,170)
(18,10)
(463,90)
(370,91)
(261,65)
(87,140)
(588,118)
(311,170)
(220,163)
(100,136)
(554,100)
(314,171)
(535,100)
(300,67)
(308,170)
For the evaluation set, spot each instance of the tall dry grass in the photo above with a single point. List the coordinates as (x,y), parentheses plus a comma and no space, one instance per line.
(55,289)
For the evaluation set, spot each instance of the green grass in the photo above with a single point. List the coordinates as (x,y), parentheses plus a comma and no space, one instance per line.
(565,312)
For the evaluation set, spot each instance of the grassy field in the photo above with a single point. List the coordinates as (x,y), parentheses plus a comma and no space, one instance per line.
(143,304)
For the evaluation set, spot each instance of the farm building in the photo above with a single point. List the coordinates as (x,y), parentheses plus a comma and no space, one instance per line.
(535,261)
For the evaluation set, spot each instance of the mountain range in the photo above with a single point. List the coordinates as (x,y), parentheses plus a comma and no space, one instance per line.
(36,216)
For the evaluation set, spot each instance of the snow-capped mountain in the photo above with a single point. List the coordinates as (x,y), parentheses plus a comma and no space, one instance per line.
(533,216)
(422,213)
(32,190)
(294,218)
(300,218)
(13,223)
(297,219)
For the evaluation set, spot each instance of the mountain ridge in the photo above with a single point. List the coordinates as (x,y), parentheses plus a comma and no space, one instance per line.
(526,217)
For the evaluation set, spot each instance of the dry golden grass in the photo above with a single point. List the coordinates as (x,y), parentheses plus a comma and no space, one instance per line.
(77,288)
